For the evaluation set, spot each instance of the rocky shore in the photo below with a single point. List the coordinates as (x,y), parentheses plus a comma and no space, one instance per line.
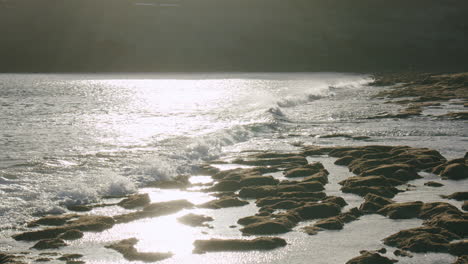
(289,192)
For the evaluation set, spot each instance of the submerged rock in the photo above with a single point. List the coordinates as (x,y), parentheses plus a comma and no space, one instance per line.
(127,248)
(260,243)
(136,200)
(195,220)
(154,210)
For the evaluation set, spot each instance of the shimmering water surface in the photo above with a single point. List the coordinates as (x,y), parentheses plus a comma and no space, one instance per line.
(71,139)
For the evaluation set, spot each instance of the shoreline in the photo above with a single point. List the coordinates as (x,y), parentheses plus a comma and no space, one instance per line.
(299,193)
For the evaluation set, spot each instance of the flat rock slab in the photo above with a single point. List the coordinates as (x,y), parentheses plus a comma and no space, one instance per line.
(260,243)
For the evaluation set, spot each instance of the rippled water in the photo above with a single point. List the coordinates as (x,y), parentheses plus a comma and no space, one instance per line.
(70,139)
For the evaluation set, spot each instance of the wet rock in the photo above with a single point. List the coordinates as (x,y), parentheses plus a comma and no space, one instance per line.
(154,210)
(223,203)
(421,239)
(315,196)
(370,258)
(401,172)
(136,200)
(304,171)
(127,248)
(67,257)
(332,223)
(267,227)
(49,244)
(252,219)
(82,223)
(276,161)
(459,196)
(37,260)
(79,208)
(336,200)
(311,230)
(207,170)
(226,186)
(402,210)
(372,203)
(459,248)
(321,176)
(461,260)
(371,181)
(257,191)
(465,206)
(431,210)
(53,220)
(10,258)
(317,210)
(433,184)
(453,223)
(387,192)
(344,161)
(260,243)
(71,234)
(456,171)
(402,253)
(195,220)
(258,180)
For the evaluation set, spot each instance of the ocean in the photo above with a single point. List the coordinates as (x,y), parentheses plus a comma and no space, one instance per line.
(69,139)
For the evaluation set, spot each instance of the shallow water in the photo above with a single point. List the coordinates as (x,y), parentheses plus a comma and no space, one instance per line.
(70,139)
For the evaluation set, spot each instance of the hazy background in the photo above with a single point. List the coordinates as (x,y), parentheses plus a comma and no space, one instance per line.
(232,35)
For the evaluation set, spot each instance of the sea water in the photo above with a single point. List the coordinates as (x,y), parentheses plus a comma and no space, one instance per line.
(68,139)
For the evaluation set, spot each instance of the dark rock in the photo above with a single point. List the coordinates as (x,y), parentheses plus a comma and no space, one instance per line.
(314,196)
(195,220)
(312,230)
(37,260)
(257,191)
(373,203)
(387,192)
(431,210)
(79,208)
(136,200)
(223,203)
(370,181)
(456,171)
(332,223)
(433,184)
(82,223)
(277,161)
(459,196)
(207,170)
(321,176)
(66,257)
(304,171)
(344,161)
(402,210)
(459,248)
(260,243)
(226,186)
(49,244)
(71,234)
(370,258)
(465,206)
(318,210)
(127,248)
(53,220)
(421,239)
(252,219)
(461,260)
(401,172)
(267,227)
(336,200)
(453,223)
(154,210)
(258,180)
(402,253)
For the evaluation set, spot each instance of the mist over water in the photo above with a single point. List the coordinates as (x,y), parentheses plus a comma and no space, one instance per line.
(71,139)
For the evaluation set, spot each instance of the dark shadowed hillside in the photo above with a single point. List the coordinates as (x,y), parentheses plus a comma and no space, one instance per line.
(232,35)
